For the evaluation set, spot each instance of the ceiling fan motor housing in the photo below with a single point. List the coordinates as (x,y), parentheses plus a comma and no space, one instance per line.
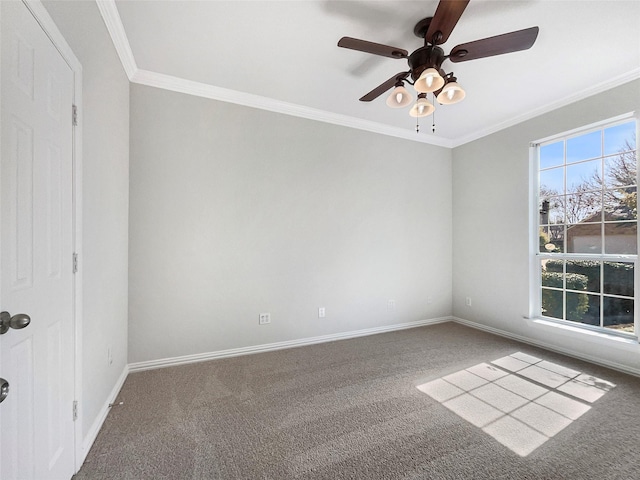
(425,57)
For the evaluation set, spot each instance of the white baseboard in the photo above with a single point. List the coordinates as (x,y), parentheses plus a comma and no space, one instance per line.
(536,343)
(88,440)
(269,347)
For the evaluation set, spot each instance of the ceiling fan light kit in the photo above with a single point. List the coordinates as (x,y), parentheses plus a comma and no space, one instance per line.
(422,107)
(429,81)
(425,64)
(451,93)
(400,97)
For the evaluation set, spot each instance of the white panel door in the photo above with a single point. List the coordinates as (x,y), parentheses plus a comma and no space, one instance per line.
(36,422)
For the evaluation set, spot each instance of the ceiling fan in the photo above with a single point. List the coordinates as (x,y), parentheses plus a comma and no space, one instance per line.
(425,64)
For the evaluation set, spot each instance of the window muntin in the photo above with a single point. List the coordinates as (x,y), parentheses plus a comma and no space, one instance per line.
(587,227)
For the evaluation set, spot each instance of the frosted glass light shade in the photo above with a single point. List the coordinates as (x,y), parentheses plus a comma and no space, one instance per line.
(429,81)
(422,108)
(400,97)
(451,93)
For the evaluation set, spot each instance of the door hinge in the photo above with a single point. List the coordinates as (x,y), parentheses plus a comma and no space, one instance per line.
(74,115)
(75,263)
(75,410)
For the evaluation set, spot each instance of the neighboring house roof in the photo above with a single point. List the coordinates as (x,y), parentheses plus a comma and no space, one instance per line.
(625,225)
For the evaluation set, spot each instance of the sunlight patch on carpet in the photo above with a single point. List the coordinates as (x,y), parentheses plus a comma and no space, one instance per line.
(520,400)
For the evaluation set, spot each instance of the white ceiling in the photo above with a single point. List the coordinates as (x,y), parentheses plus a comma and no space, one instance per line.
(283,54)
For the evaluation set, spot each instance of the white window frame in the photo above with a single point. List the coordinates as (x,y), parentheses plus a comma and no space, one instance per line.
(535,287)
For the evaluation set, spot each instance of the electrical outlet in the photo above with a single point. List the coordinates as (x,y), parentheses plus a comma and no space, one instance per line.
(391,305)
(321,312)
(264,318)
(467,301)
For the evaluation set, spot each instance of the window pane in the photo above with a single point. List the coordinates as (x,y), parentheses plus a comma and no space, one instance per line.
(621,204)
(576,281)
(552,303)
(551,273)
(552,210)
(552,239)
(620,238)
(585,146)
(618,314)
(552,279)
(584,176)
(552,155)
(618,278)
(620,138)
(556,236)
(583,308)
(584,207)
(620,170)
(585,238)
(554,265)
(590,269)
(552,182)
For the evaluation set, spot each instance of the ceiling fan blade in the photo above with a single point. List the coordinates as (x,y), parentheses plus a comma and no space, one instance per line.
(488,47)
(371,47)
(380,89)
(447,15)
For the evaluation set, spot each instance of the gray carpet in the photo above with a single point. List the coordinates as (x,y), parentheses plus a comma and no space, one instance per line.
(350,409)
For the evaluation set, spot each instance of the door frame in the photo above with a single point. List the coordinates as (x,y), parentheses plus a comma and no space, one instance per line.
(47,24)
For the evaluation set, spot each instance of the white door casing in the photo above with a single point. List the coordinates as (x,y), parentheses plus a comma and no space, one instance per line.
(37,239)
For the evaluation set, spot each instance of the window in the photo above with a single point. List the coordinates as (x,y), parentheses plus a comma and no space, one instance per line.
(587,229)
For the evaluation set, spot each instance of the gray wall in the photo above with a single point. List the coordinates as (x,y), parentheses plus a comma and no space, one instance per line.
(237,211)
(105,194)
(491,225)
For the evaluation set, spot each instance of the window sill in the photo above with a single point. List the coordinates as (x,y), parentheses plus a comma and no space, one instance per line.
(597,335)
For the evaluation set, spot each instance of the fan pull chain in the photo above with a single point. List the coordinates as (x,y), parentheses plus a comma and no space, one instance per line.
(417,125)
(433,119)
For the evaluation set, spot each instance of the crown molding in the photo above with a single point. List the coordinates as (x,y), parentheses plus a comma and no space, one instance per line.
(112,20)
(593,90)
(176,84)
